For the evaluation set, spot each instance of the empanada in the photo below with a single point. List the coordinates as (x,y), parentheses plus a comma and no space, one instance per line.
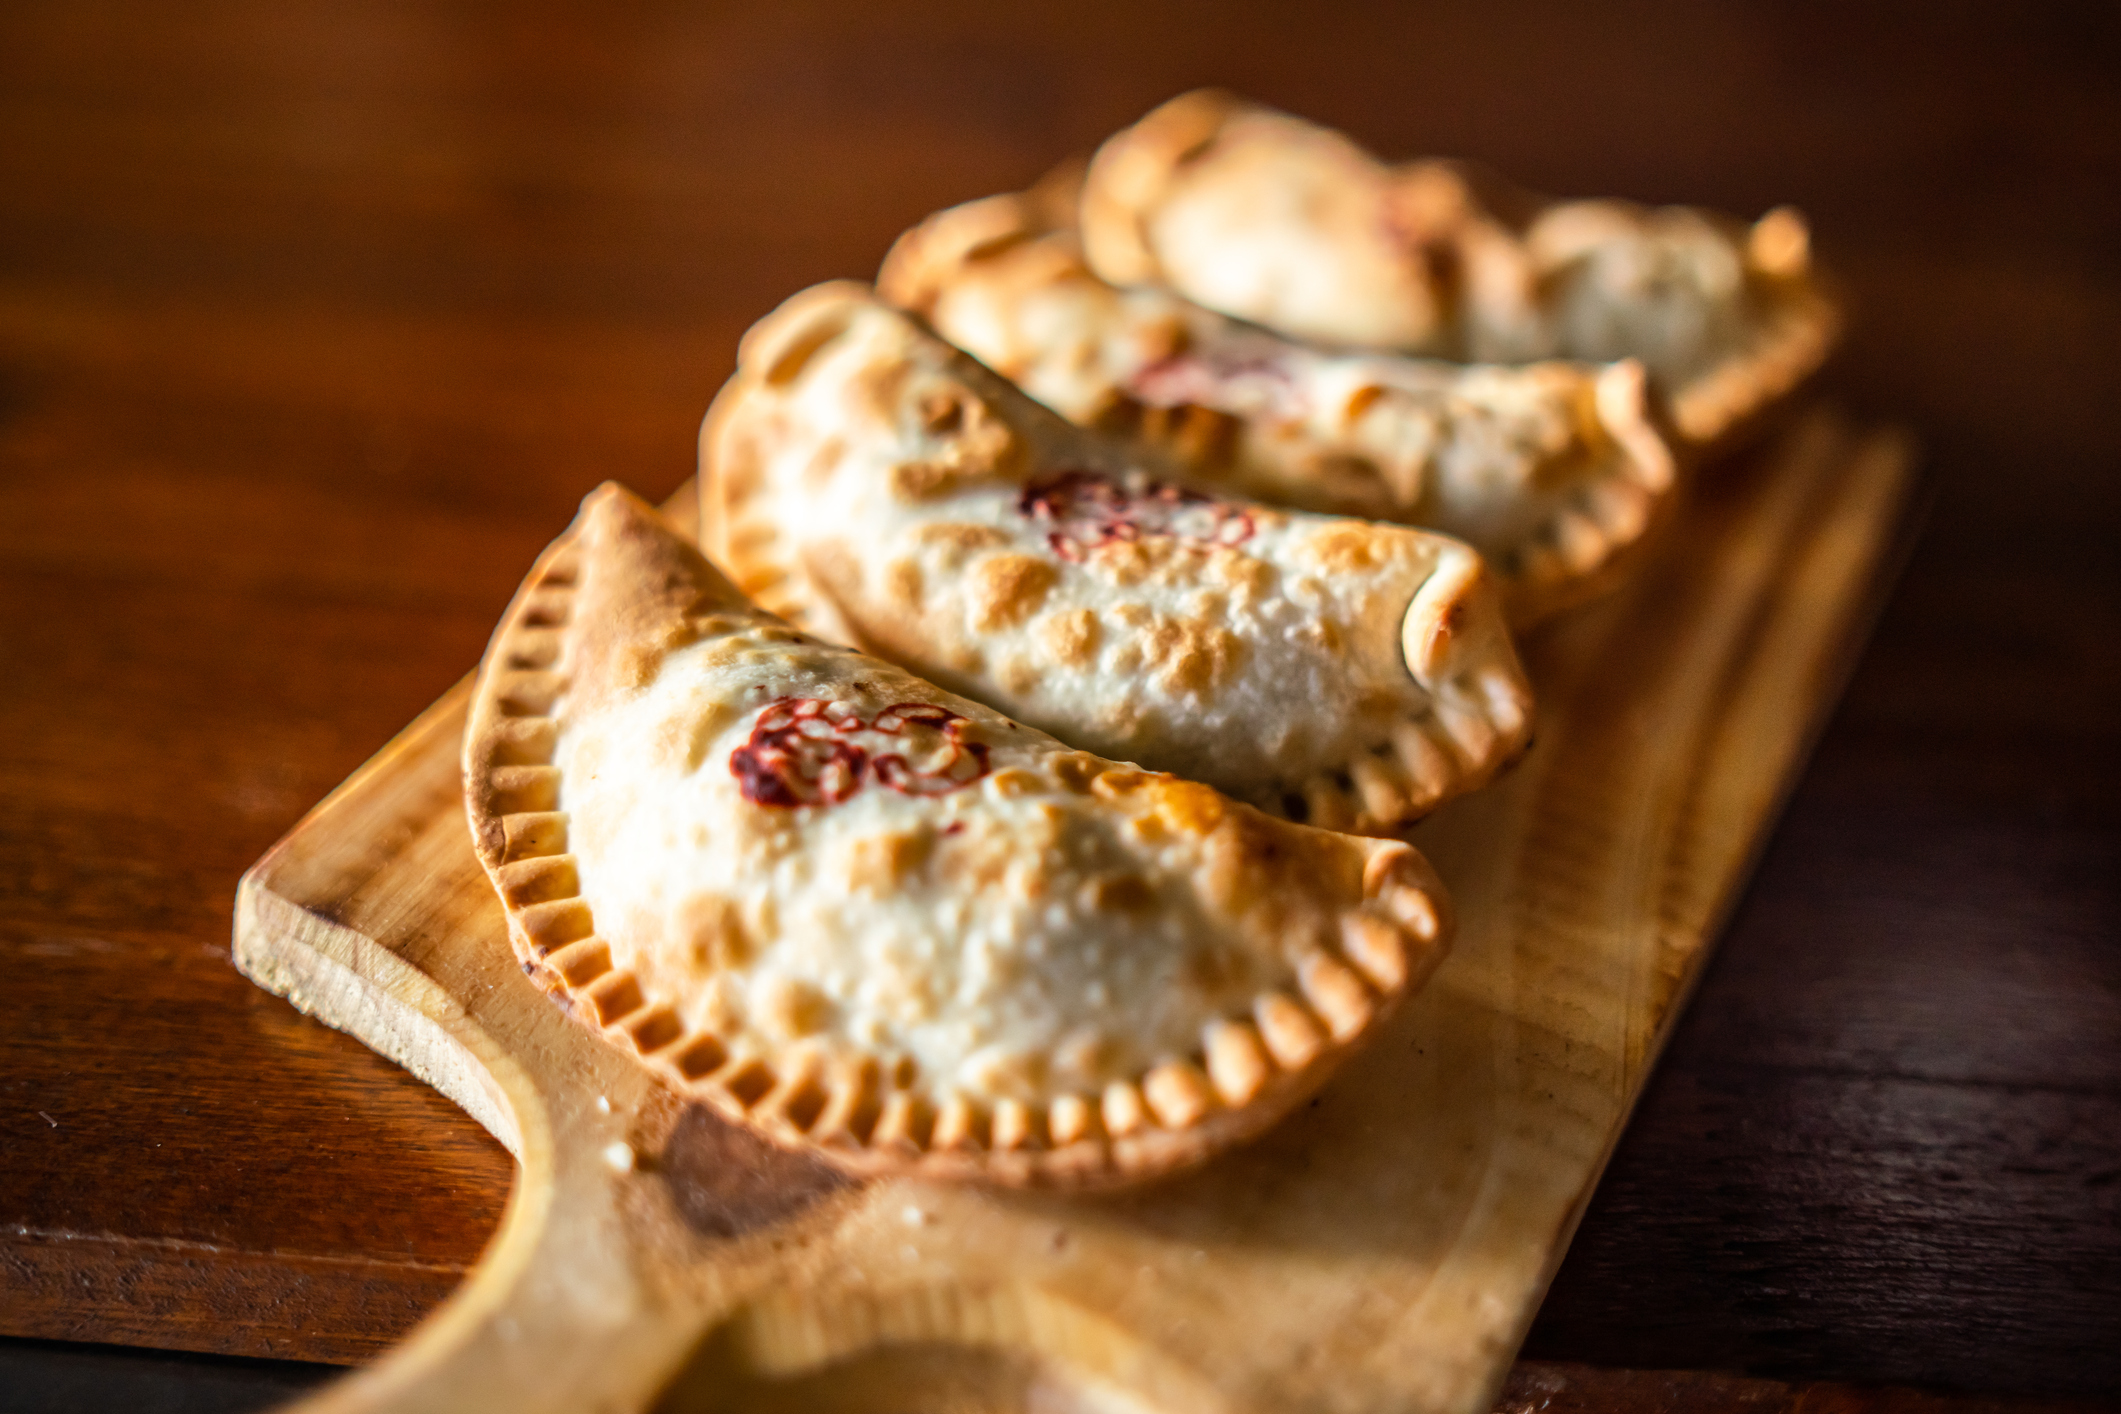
(1553,471)
(872,483)
(888,925)
(1264,216)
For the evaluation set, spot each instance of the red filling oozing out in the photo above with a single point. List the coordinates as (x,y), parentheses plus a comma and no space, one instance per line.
(1088,510)
(808,751)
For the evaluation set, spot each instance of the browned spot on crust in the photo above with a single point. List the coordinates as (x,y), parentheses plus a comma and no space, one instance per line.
(1188,808)
(1282,882)
(959,540)
(1015,780)
(1120,893)
(879,864)
(721,1009)
(639,662)
(1120,781)
(1347,547)
(714,932)
(1129,562)
(794,1008)
(1070,636)
(1192,656)
(922,480)
(1005,590)
(942,411)
(1077,770)
(1362,400)
(1017,675)
(1325,633)
(976,444)
(902,583)
(1243,575)
(817,472)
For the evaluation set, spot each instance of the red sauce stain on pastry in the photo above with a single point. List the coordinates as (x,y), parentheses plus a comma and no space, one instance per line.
(808,751)
(1088,511)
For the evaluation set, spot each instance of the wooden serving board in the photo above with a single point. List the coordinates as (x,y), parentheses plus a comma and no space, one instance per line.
(1383,1249)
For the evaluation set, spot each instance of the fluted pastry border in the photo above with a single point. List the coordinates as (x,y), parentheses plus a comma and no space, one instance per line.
(1575,554)
(1428,757)
(1710,411)
(1247,1071)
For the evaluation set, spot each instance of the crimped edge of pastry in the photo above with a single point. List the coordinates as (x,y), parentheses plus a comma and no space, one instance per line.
(1803,321)
(1584,550)
(1577,554)
(1801,324)
(1478,719)
(1131,169)
(1246,1073)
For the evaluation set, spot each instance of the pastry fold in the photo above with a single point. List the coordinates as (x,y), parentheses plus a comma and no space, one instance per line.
(1266,217)
(886,924)
(877,486)
(1554,471)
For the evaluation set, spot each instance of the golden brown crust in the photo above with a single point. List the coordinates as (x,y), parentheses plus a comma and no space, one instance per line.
(1133,169)
(1263,651)
(1269,218)
(1558,473)
(614,605)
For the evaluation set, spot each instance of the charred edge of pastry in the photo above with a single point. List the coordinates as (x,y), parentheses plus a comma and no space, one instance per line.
(1128,175)
(1799,334)
(1245,1072)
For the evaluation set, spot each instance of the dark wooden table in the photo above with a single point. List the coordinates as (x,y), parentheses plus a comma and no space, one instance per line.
(316,319)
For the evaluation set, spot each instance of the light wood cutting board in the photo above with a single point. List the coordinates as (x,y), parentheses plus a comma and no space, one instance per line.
(1383,1249)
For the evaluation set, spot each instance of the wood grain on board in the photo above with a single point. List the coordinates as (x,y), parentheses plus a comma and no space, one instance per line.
(316,319)
(1386,1247)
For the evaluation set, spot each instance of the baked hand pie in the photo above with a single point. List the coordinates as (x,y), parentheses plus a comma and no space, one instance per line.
(1553,471)
(873,484)
(888,925)
(1267,217)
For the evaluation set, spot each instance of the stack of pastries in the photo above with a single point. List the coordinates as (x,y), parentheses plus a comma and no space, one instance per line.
(1015,789)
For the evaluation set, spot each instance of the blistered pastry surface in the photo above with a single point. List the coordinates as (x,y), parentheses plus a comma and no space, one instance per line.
(1011,937)
(1551,470)
(1267,217)
(870,917)
(866,478)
